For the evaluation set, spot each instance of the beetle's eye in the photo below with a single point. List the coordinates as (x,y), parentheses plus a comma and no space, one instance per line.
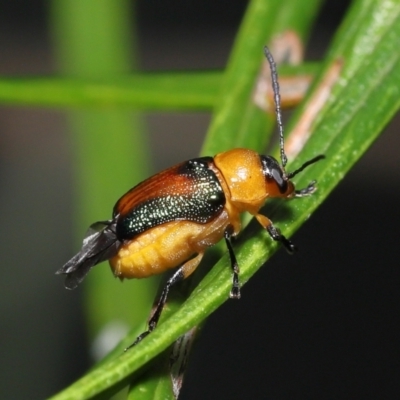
(273,170)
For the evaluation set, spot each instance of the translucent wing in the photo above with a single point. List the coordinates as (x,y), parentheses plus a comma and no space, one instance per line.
(100,244)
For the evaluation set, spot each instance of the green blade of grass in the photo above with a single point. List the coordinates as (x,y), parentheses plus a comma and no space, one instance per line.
(342,152)
(141,91)
(346,135)
(112,375)
(362,107)
(93,40)
(237,121)
(156,91)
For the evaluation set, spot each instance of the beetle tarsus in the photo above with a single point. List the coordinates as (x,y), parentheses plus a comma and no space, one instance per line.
(276,234)
(138,339)
(307,191)
(235,291)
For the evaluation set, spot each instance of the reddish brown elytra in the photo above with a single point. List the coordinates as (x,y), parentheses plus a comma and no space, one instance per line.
(170,219)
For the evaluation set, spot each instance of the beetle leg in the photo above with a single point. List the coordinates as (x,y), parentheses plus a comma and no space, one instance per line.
(235,291)
(275,233)
(182,273)
(307,191)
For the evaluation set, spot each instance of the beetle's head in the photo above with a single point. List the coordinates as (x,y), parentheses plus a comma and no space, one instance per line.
(277,181)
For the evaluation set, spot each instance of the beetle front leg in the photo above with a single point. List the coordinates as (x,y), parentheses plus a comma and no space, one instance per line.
(275,233)
(235,291)
(307,191)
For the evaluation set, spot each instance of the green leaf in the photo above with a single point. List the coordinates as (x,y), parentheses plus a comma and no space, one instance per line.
(142,91)
(109,146)
(155,91)
(364,99)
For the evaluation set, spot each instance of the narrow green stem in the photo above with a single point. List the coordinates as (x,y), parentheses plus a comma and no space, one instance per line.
(141,91)
(108,147)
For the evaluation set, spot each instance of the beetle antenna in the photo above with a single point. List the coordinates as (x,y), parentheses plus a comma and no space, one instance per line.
(277,100)
(305,165)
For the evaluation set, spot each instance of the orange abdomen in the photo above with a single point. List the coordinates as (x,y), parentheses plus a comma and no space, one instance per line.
(166,246)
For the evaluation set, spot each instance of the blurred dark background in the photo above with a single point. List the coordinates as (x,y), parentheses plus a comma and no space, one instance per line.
(321,324)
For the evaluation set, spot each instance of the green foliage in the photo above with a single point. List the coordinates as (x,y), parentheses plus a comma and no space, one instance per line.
(361,103)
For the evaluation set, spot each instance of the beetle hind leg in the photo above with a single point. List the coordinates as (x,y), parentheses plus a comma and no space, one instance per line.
(182,273)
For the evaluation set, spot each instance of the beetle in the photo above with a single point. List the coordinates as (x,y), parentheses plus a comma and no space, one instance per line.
(171,218)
